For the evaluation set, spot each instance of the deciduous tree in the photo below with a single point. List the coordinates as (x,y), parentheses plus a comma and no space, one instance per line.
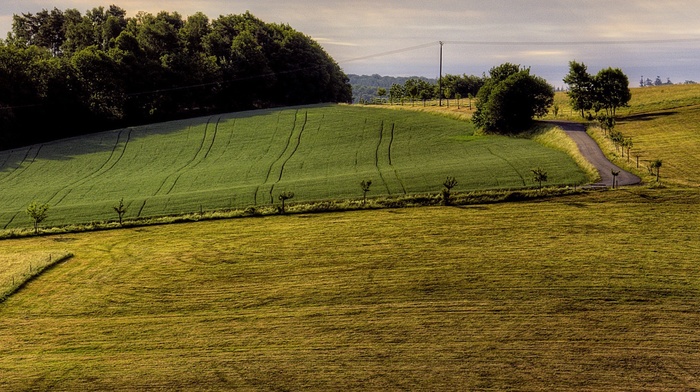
(448,184)
(38,213)
(612,90)
(539,175)
(365,184)
(581,90)
(284,196)
(510,99)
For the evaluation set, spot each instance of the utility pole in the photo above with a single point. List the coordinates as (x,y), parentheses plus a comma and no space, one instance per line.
(440,79)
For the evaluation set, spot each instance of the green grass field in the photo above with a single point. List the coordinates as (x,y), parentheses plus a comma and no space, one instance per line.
(592,292)
(246,159)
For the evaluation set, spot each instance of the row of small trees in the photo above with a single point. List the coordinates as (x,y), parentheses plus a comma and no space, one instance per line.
(623,143)
(449,87)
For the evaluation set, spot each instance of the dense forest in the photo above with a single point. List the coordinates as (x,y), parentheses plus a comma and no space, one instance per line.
(63,73)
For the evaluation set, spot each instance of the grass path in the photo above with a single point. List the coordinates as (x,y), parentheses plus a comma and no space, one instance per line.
(593,292)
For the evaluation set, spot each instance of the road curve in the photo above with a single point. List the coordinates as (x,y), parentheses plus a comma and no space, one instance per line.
(592,152)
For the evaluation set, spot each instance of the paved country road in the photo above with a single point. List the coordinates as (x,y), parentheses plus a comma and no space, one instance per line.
(595,156)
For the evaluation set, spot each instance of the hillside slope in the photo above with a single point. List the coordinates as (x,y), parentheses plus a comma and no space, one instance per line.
(246,159)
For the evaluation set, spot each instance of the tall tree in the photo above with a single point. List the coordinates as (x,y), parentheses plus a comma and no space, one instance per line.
(581,87)
(612,90)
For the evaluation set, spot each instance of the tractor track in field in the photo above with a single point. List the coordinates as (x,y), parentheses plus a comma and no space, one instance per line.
(213,139)
(294,150)
(20,169)
(99,171)
(396,172)
(388,156)
(16,173)
(269,170)
(357,152)
(509,164)
(7,158)
(228,142)
(199,156)
(376,158)
(281,158)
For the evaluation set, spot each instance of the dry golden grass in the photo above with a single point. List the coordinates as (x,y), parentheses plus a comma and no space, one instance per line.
(592,292)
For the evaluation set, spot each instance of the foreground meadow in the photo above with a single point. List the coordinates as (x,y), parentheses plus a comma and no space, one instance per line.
(598,291)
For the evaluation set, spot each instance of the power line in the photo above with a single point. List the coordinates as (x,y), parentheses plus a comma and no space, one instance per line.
(382,54)
(526,43)
(575,43)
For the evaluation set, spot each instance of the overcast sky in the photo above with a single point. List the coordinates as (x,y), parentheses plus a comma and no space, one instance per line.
(400,37)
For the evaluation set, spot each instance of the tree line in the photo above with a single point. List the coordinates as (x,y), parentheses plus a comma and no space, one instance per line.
(399,90)
(64,73)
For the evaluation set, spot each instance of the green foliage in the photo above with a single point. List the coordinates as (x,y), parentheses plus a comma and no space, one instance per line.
(364,87)
(607,123)
(608,90)
(510,99)
(38,213)
(581,87)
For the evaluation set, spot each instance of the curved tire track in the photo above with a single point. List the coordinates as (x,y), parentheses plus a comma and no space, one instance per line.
(294,150)
(21,168)
(515,169)
(396,172)
(99,171)
(196,159)
(376,158)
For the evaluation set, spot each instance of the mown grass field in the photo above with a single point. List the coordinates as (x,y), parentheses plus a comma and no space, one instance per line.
(592,292)
(247,159)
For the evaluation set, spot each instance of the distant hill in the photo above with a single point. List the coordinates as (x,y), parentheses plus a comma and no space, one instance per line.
(365,86)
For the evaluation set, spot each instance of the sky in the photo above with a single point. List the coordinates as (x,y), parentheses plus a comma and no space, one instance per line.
(401,37)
